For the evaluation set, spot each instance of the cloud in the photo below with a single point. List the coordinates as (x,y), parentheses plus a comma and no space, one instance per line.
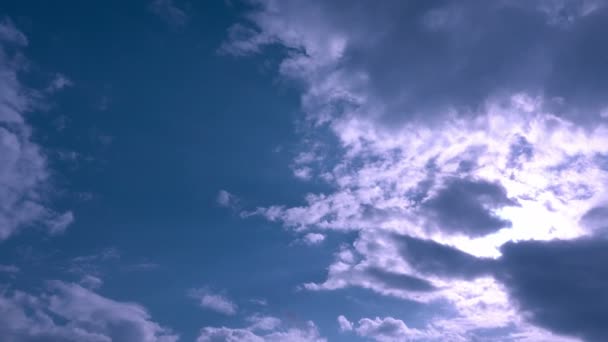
(430,257)
(260,322)
(59,82)
(388,329)
(68,312)
(596,220)
(344,323)
(169,12)
(9,269)
(308,332)
(464,205)
(451,139)
(557,284)
(259,301)
(560,285)
(213,301)
(313,238)
(25,178)
(91,282)
(424,59)
(226,199)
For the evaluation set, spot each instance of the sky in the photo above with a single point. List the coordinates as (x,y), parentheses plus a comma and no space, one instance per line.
(303,170)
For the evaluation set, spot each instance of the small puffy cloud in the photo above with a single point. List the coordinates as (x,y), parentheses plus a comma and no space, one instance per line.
(307,332)
(302,172)
(213,301)
(226,199)
(69,312)
(344,323)
(169,12)
(313,238)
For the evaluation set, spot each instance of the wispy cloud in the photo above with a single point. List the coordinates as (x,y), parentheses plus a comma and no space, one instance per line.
(25,177)
(226,199)
(169,12)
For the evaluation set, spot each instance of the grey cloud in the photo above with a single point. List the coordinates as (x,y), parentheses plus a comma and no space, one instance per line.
(596,220)
(561,285)
(399,281)
(430,257)
(421,59)
(465,206)
(68,312)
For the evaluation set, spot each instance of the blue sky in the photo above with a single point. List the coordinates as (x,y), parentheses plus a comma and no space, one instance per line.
(264,170)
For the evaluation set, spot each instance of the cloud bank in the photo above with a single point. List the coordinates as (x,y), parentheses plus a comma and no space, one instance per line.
(470,155)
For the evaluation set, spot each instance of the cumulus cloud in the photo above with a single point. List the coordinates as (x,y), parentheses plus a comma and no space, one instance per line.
(25,178)
(344,323)
(458,128)
(313,238)
(277,331)
(213,301)
(68,312)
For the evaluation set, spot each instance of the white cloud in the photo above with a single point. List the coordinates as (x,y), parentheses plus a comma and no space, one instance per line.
(213,301)
(389,329)
(308,332)
(226,199)
(313,238)
(68,312)
(24,172)
(260,322)
(344,323)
